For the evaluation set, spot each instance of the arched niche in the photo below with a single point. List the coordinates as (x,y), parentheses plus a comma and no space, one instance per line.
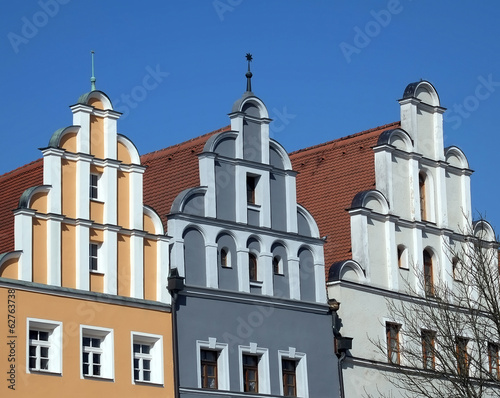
(307,274)
(194,256)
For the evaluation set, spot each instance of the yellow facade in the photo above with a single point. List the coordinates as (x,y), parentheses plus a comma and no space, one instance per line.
(57,289)
(122,319)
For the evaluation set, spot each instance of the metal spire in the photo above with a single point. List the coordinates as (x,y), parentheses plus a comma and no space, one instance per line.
(92,79)
(249,74)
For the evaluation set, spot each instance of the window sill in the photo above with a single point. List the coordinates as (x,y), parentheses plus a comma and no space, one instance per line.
(96,200)
(148,383)
(96,272)
(256,283)
(45,372)
(98,378)
(253,206)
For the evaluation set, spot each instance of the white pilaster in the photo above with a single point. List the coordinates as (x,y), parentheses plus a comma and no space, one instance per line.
(82,187)
(54,250)
(109,185)
(110,259)
(23,238)
(265,271)
(207,179)
(291,203)
(136,199)
(211,265)
(82,254)
(294,277)
(52,177)
(243,276)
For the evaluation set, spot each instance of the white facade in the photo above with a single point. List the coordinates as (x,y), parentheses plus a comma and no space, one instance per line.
(421,207)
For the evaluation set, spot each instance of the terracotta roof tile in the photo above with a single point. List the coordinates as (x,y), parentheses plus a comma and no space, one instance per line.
(330,175)
(12,185)
(172,170)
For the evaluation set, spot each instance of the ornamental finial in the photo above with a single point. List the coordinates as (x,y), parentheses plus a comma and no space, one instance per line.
(249,73)
(92,78)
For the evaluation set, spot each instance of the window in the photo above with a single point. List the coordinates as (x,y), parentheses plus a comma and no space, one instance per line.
(94,184)
(209,369)
(91,359)
(462,356)
(293,368)
(147,358)
(423,207)
(44,346)
(392,334)
(289,377)
(93,257)
(455,269)
(251,188)
(428,277)
(252,267)
(224,258)
(493,360)
(428,349)
(96,352)
(254,369)
(402,257)
(213,364)
(251,373)
(277,265)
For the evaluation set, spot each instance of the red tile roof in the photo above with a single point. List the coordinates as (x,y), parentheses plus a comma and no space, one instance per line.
(12,185)
(172,170)
(330,175)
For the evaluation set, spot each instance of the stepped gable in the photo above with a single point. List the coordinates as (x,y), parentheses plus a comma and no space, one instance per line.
(12,185)
(330,175)
(172,170)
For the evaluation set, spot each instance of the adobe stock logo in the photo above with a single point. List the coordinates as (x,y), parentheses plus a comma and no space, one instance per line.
(223,6)
(363,37)
(31,26)
(483,91)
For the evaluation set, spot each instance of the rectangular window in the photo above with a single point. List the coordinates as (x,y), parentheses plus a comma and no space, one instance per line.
(428,349)
(44,346)
(462,356)
(251,188)
(251,373)
(96,352)
(493,360)
(142,362)
(288,367)
(91,358)
(209,368)
(392,334)
(39,347)
(147,358)
(93,257)
(94,186)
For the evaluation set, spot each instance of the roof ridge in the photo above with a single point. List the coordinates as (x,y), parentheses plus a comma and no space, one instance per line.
(158,151)
(384,126)
(18,170)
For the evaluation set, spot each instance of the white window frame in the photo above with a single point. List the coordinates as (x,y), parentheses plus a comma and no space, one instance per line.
(54,343)
(107,350)
(155,355)
(300,370)
(229,263)
(222,361)
(263,366)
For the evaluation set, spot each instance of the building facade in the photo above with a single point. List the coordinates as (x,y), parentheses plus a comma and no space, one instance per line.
(252,317)
(83,274)
(410,217)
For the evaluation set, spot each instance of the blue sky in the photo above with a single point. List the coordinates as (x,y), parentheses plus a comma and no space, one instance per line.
(324,68)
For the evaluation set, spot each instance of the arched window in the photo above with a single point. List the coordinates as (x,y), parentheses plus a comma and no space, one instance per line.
(428,277)
(224,258)
(402,257)
(456,271)
(423,206)
(252,267)
(277,266)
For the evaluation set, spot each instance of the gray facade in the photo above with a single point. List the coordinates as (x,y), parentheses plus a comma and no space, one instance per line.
(253,266)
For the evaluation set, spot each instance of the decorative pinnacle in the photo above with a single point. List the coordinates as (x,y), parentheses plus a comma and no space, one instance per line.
(92,78)
(249,74)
